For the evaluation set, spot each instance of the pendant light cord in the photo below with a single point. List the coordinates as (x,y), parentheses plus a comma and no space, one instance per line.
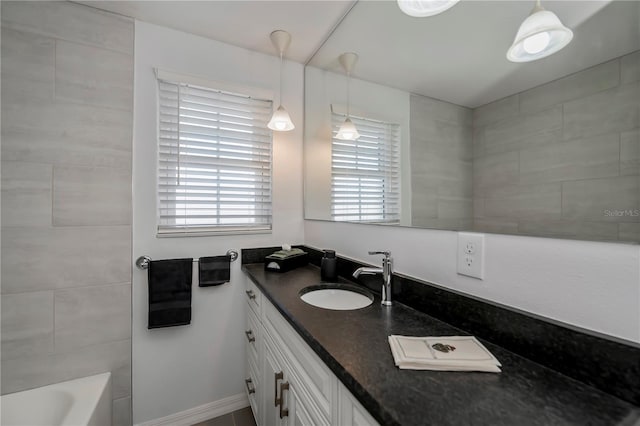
(280,85)
(348,92)
(537,8)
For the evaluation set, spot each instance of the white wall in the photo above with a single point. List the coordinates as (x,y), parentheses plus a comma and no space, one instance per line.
(178,368)
(588,284)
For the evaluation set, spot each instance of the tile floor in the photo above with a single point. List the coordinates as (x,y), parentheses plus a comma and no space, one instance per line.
(243,417)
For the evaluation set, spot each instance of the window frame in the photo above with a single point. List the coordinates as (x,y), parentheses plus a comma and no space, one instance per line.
(192,230)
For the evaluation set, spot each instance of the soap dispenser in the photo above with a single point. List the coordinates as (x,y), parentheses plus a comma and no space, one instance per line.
(329,266)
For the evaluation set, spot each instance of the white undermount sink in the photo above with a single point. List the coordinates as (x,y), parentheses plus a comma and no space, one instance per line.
(338,297)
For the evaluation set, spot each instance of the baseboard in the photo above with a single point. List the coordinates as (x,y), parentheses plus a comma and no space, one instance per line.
(202,412)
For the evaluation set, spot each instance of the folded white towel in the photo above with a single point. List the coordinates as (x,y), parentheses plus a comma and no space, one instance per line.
(447,353)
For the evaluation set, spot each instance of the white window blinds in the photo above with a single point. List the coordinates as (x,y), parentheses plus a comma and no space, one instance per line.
(214,168)
(365,173)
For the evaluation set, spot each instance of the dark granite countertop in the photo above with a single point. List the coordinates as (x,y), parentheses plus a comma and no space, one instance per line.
(354,346)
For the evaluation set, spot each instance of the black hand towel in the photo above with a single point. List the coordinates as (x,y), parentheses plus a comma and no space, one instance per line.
(214,270)
(170,292)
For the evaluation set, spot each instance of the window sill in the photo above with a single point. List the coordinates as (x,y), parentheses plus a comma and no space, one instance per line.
(211,233)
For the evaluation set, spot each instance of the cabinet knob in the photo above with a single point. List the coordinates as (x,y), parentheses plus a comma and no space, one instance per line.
(250,294)
(249,383)
(250,336)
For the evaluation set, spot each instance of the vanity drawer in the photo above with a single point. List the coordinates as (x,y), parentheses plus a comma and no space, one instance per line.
(252,388)
(254,297)
(253,336)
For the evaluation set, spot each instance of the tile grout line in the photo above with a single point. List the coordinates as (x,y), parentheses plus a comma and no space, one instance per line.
(51,189)
(72,350)
(55,68)
(53,325)
(67,288)
(619,61)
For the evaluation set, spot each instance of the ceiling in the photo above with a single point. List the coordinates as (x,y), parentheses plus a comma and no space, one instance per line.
(241,23)
(459,55)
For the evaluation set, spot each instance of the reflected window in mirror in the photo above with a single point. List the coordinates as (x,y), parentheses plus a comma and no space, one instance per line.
(365,173)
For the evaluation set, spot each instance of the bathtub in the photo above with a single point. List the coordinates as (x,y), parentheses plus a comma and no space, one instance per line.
(80,402)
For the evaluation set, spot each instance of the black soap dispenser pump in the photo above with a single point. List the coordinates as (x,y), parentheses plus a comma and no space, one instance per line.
(329,266)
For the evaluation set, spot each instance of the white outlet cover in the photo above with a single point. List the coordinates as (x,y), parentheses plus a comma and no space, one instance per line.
(471,254)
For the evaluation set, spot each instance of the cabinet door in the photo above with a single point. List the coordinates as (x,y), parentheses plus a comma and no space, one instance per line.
(350,412)
(272,382)
(298,415)
(310,372)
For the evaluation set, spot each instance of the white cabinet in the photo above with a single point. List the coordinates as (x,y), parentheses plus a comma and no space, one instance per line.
(272,373)
(285,402)
(299,415)
(317,382)
(350,412)
(292,386)
(253,362)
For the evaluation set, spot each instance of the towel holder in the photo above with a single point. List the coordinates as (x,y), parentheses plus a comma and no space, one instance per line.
(143,261)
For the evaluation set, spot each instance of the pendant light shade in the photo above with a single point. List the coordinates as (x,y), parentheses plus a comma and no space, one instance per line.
(540,35)
(280,120)
(348,130)
(422,8)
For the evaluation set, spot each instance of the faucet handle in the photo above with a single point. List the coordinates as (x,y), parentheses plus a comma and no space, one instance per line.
(385,253)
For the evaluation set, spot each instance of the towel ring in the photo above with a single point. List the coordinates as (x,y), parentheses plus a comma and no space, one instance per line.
(143,261)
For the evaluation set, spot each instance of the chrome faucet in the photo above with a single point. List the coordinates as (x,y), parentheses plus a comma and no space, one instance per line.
(386,271)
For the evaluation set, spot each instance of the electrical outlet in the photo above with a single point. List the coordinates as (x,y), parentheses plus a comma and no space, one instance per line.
(470,247)
(471,255)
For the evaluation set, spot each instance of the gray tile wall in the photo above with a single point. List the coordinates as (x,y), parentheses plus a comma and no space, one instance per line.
(441,164)
(67,98)
(560,159)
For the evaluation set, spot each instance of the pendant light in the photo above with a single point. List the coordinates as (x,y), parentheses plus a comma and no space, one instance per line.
(422,8)
(280,120)
(540,35)
(348,131)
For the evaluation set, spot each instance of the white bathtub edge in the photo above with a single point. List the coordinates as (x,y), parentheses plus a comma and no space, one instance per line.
(103,410)
(202,412)
(85,400)
(99,412)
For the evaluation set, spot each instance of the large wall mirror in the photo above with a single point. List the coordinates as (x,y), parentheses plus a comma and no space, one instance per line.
(455,136)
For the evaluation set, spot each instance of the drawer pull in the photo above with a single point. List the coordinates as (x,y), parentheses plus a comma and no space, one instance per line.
(279,376)
(250,294)
(284,412)
(249,384)
(250,336)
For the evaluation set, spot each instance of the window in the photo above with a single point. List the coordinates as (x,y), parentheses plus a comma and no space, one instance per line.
(365,173)
(214,161)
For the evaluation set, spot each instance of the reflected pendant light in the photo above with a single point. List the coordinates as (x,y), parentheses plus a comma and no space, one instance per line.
(540,35)
(348,131)
(422,8)
(280,120)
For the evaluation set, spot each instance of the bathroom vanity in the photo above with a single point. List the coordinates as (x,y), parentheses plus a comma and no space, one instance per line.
(307,365)
(287,383)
